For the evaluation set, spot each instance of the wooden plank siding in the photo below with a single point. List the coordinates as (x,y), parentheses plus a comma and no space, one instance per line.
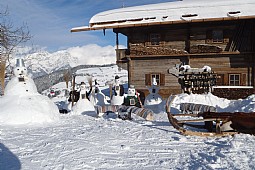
(228,47)
(225,66)
(141,68)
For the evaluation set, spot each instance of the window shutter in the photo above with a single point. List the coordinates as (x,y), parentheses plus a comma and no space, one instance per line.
(148,79)
(243,80)
(220,80)
(162,79)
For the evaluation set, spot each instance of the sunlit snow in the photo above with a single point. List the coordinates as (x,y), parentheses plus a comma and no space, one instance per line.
(81,141)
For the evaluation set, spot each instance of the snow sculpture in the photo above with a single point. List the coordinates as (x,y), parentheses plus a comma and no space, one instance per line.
(97,97)
(153,98)
(118,92)
(20,70)
(132,99)
(83,106)
(74,96)
(22,104)
(20,83)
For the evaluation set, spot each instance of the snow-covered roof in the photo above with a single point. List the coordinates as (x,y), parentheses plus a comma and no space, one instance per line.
(171,12)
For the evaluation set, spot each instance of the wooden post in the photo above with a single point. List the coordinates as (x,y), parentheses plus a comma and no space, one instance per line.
(117,41)
(187,42)
(253,71)
(128,69)
(218,131)
(72,97)
(2,72)
(110,88)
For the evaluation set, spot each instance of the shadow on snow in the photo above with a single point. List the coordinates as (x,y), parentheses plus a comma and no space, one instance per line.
(8,161)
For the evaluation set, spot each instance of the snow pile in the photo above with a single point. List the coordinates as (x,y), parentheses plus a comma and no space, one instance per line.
(206,99)
(23,105)
(242,105)
(221,104)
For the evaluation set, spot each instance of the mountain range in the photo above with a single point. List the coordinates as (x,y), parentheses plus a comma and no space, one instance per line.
(44,62)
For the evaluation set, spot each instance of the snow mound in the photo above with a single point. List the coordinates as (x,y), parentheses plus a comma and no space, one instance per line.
(242,105)
(206,99)
(27,110)
(23,105)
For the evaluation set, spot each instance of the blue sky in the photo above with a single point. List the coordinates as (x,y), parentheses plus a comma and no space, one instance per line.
(50,21)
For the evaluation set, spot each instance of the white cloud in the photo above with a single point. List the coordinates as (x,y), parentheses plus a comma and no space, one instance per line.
(94,54)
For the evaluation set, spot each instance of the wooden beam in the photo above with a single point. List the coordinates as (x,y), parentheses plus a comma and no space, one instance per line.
(197,120)
(117,41)
(185,55)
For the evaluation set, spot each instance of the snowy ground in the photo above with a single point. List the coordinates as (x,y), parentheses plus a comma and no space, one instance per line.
(84,142)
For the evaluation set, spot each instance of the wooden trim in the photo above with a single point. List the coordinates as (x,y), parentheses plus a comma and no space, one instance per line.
(113,24)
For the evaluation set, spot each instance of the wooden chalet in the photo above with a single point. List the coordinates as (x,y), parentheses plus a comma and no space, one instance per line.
(220,34)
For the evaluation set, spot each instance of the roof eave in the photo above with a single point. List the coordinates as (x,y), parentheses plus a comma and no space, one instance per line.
(112,25)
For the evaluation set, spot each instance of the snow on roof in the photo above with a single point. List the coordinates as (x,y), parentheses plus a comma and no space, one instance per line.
(171,12)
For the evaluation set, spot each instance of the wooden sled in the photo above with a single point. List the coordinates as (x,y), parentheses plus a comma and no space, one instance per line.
(211,127)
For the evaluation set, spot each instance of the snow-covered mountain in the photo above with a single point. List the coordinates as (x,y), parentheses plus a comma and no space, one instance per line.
(44,62)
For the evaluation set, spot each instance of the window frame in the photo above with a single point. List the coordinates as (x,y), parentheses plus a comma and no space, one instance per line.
(234,82)
(160,79)
(157,79)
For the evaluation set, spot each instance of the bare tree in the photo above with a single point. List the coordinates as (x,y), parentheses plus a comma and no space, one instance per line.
(10,38)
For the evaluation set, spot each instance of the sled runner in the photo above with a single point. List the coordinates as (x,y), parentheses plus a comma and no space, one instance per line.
(211,123)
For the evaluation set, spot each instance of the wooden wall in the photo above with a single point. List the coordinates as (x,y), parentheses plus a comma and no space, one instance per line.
(139,69)
(225,65)
(181,36)
(191,43)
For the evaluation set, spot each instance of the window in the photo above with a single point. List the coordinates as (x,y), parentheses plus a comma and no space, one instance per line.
(217,36)
(156,77)
(234,79)
(155,39)
(160,79)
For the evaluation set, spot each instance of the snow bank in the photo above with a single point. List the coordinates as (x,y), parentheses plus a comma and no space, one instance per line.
(242,105)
